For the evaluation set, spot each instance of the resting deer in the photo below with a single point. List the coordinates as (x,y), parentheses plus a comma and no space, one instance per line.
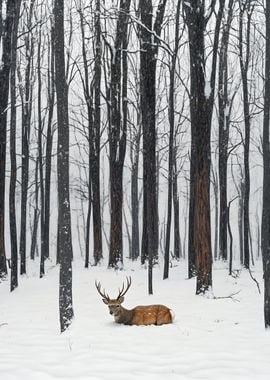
(139,315)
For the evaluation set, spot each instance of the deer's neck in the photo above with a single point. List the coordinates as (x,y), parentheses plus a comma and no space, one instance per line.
(125,316)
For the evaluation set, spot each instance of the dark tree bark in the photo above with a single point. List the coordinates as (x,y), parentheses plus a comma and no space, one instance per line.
(5,36)
(88,94)
(224,123)
(265,229)
(64,220)
(135,151)
(36,216)
(201,109)
(117,133)
(244,57)
(171,175)
(230,236)
(26,98)
(177,237)
(13,161)
(49,143)
(149,32)
(40,159)
(95,140)
(92,93)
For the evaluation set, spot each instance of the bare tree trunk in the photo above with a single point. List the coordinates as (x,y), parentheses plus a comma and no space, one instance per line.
(215,189)
(5,38)
(49,143)
(13,161)
(135,237)
(36,216)
(265,228)
(26,98)
(177,238)
(40,161)
(148,32)
(64,220)
(171,145)
(95,141)
(117,133)
(224,123)
(247,7)
(201,116)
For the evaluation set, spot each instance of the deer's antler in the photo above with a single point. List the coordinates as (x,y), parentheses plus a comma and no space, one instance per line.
(123,291)
(103,294)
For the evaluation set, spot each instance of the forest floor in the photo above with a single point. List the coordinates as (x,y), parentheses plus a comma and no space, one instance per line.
(210,338)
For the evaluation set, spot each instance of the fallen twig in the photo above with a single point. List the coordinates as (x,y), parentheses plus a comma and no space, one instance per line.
(231,296)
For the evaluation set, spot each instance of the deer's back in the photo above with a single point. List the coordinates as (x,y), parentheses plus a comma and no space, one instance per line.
(152,315)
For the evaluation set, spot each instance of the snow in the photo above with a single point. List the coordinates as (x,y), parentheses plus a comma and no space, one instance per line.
(210,338)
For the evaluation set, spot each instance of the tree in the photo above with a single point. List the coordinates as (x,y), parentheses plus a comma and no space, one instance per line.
(26,99)
(64,223)
(92,94)
(118,132)
(171,164)
(246,7)
(49,144)
(265,230)
(224,122)
(150,31)
(201,109)
(13,161)
(5,39)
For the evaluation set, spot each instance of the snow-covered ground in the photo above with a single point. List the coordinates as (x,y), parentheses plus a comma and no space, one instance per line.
(210,338)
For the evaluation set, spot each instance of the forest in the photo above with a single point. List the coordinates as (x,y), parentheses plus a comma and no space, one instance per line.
(135,134)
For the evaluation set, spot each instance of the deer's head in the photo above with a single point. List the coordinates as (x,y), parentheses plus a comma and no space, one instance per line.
(114,305)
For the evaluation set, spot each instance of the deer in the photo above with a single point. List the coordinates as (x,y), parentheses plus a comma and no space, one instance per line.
(139,315)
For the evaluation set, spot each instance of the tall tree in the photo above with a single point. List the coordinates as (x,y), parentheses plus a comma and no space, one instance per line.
(150,31)
(118,132)
(64,221)
(6,21)
(92,94)
(246,8)
(171,172)
(224,122)
(95,140)
(13,161)
(26,99)
(201,109)
(265,230)
(49,144)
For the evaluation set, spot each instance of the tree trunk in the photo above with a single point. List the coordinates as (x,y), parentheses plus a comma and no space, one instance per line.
(244,65)
(224,122)
(135,237)
(49,143)
(265,228)
(148,57)
(117,133)
(13,161)
(171,145)
(5,38)
(201,109)
(177,239)
(40,161)
(36,216)
(95,141)
(64,220)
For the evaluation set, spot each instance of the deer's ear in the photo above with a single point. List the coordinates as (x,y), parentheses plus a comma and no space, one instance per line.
(105,301)
(121,299)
